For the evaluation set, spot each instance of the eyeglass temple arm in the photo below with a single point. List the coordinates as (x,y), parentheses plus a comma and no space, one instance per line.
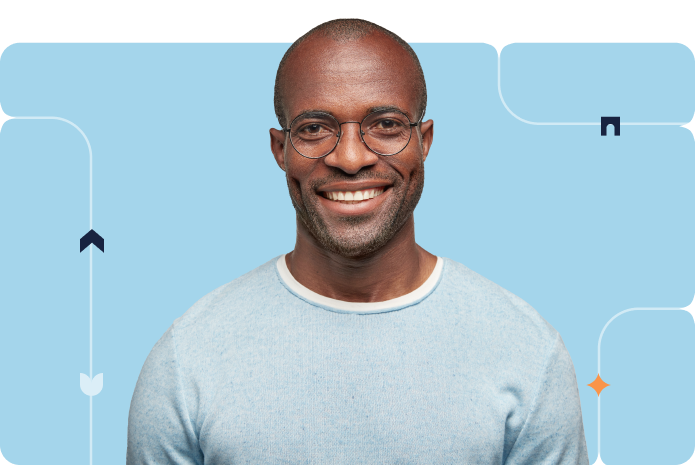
(418,121)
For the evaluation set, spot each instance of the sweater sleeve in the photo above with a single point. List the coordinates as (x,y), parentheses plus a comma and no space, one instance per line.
(554,432)
(160,430)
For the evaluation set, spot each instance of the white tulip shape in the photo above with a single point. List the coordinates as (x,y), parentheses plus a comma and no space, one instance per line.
(91,387)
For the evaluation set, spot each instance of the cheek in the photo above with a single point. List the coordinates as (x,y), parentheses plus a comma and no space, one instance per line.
(410,168)
(297,181)
(303,170)
(295,188)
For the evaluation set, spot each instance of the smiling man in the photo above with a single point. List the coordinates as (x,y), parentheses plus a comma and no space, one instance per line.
(359,346)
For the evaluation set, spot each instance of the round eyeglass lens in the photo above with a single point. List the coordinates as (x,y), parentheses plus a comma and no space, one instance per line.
(314,135)
(386,132)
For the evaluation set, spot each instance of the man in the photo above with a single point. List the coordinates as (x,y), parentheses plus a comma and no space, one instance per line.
(359,346)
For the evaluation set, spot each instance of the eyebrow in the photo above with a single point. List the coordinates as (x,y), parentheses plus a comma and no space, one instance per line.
(389,108)
(314,111)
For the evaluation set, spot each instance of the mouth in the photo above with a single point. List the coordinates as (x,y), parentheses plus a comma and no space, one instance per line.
(354,203)
(354,197)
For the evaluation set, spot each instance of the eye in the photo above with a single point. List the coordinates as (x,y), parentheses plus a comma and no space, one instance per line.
(313,128)
(386,124)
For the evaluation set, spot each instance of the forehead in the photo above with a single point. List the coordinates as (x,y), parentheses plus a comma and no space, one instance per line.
(347,79)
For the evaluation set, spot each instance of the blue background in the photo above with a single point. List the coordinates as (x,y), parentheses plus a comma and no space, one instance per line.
(188,197)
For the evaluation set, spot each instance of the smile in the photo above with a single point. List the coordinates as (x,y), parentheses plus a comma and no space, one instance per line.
(354,203)
(350,197)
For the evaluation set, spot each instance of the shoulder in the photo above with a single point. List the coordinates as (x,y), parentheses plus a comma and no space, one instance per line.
(495,311)
(223,303)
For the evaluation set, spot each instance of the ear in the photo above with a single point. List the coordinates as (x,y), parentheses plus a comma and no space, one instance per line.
(277,146)
(427,131)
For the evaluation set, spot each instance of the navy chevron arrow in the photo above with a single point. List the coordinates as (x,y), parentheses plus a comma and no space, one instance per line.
(91,238)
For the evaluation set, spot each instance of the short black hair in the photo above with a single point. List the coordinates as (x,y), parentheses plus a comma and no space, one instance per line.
(345,30)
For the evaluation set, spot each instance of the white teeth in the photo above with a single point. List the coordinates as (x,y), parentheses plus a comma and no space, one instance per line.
(355,196)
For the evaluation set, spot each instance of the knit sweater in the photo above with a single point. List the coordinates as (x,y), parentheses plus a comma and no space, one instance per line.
(264,371)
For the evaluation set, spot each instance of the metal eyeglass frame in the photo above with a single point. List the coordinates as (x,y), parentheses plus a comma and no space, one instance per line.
(340,133)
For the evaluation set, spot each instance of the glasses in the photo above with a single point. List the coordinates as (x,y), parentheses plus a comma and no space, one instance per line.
(316,134)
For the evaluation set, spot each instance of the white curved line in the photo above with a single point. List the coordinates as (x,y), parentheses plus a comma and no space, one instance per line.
(499,90)
(89,146)
(600,338)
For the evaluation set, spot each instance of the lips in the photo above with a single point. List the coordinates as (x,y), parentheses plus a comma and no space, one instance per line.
(354,186)
(352,197)
(364,200)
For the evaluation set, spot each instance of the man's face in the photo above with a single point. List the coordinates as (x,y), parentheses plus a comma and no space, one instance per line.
(347,81)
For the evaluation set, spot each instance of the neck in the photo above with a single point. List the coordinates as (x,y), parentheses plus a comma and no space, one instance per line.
(398,268)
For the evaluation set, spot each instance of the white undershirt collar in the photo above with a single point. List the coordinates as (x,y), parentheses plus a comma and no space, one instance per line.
(342,306)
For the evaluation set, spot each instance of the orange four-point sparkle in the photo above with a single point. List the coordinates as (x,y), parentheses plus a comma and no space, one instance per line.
(598,385)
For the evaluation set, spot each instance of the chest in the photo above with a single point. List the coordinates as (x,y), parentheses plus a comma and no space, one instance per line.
(353,406)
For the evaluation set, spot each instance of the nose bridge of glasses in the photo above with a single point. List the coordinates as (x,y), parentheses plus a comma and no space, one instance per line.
(359,129)
(347,122)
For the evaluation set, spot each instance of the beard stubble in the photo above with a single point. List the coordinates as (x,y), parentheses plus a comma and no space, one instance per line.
(360,237)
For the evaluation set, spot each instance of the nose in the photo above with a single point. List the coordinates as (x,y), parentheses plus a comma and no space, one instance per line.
(351,154)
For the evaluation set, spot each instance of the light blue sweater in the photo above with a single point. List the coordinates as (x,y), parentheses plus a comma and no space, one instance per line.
(264,371)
